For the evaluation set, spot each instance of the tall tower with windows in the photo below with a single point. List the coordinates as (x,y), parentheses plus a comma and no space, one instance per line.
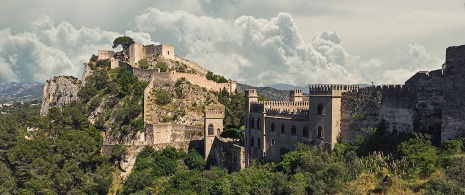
(213,121)
(325,113)
(250,96)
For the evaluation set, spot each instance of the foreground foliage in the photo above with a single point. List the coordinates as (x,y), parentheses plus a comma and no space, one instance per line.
(58,154)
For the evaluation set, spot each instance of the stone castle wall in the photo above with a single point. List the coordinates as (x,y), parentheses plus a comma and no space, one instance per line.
(168,133)
(202,81)
(415,106)
(364,109)
(227,155)
(199,69)
(453,118)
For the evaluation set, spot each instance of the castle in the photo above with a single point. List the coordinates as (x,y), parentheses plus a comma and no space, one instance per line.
(429,102)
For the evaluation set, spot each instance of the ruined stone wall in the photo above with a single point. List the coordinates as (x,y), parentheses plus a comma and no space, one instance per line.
(202,81)
(168,133)
(144,75)
(364,109)
(227,155)
(453,119)
(104,54)
(426,88)
(199,69)
(413,107)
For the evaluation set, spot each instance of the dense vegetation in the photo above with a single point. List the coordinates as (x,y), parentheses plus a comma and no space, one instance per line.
(119,93)
(58,154)
(415,167)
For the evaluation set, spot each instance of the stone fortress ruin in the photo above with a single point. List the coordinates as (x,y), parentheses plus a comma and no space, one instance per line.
(429,102)
(162,133)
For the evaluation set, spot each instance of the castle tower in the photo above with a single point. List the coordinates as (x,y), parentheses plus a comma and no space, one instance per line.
(325,113)
(295,95)
(250,96)
(453,116)
(213,122)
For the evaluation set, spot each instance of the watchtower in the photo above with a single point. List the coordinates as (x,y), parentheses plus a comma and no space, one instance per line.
(325,113)
(213,122)
(250,96)
(295,95)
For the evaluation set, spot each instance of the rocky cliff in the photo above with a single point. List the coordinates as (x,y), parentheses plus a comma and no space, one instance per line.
(59,92)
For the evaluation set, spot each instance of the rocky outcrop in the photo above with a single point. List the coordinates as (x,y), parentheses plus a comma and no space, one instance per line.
(59,92)
(87,72)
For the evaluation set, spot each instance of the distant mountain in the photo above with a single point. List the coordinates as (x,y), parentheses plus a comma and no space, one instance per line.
(286,87)
(16,92)
(269,92)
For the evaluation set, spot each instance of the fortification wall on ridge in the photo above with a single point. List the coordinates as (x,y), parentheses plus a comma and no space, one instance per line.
(202,81)
(199,69)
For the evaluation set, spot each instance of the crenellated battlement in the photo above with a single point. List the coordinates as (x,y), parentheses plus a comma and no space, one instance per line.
(295,92)
(214,111)
(251,93)
(331,90)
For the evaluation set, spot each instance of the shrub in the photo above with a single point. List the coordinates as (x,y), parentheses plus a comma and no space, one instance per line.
(163,97)
(94,58)
(162,66)
(143,63)
(103,63)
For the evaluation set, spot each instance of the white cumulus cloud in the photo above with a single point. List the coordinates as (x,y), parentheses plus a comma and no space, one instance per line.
(262,52)
(51,49)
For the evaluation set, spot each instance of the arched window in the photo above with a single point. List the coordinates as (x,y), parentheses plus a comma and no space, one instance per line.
(272,127)
(258,123)
(258,142)
(320,109)
(320,132)
(305,132)
(252,123)
(218,132)
(293,130)
(251,142)
(282,129)
(210,129)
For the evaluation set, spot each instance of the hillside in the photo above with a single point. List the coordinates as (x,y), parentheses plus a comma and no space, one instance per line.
(17,92)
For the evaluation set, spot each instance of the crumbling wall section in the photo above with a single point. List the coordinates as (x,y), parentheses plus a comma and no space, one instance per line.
(227,155)
(363,110)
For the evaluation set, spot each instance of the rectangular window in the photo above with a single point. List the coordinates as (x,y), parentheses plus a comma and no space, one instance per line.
(272,142)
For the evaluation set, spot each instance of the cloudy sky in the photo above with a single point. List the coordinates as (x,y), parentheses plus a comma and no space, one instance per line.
(255,42)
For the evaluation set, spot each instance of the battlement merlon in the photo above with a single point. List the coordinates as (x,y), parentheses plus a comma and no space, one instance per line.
(251,93)
(214,112)
(331,89)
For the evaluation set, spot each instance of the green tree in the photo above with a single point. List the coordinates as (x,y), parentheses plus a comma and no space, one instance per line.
(194,160)
(7,180)
(124,41)
(419,151)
